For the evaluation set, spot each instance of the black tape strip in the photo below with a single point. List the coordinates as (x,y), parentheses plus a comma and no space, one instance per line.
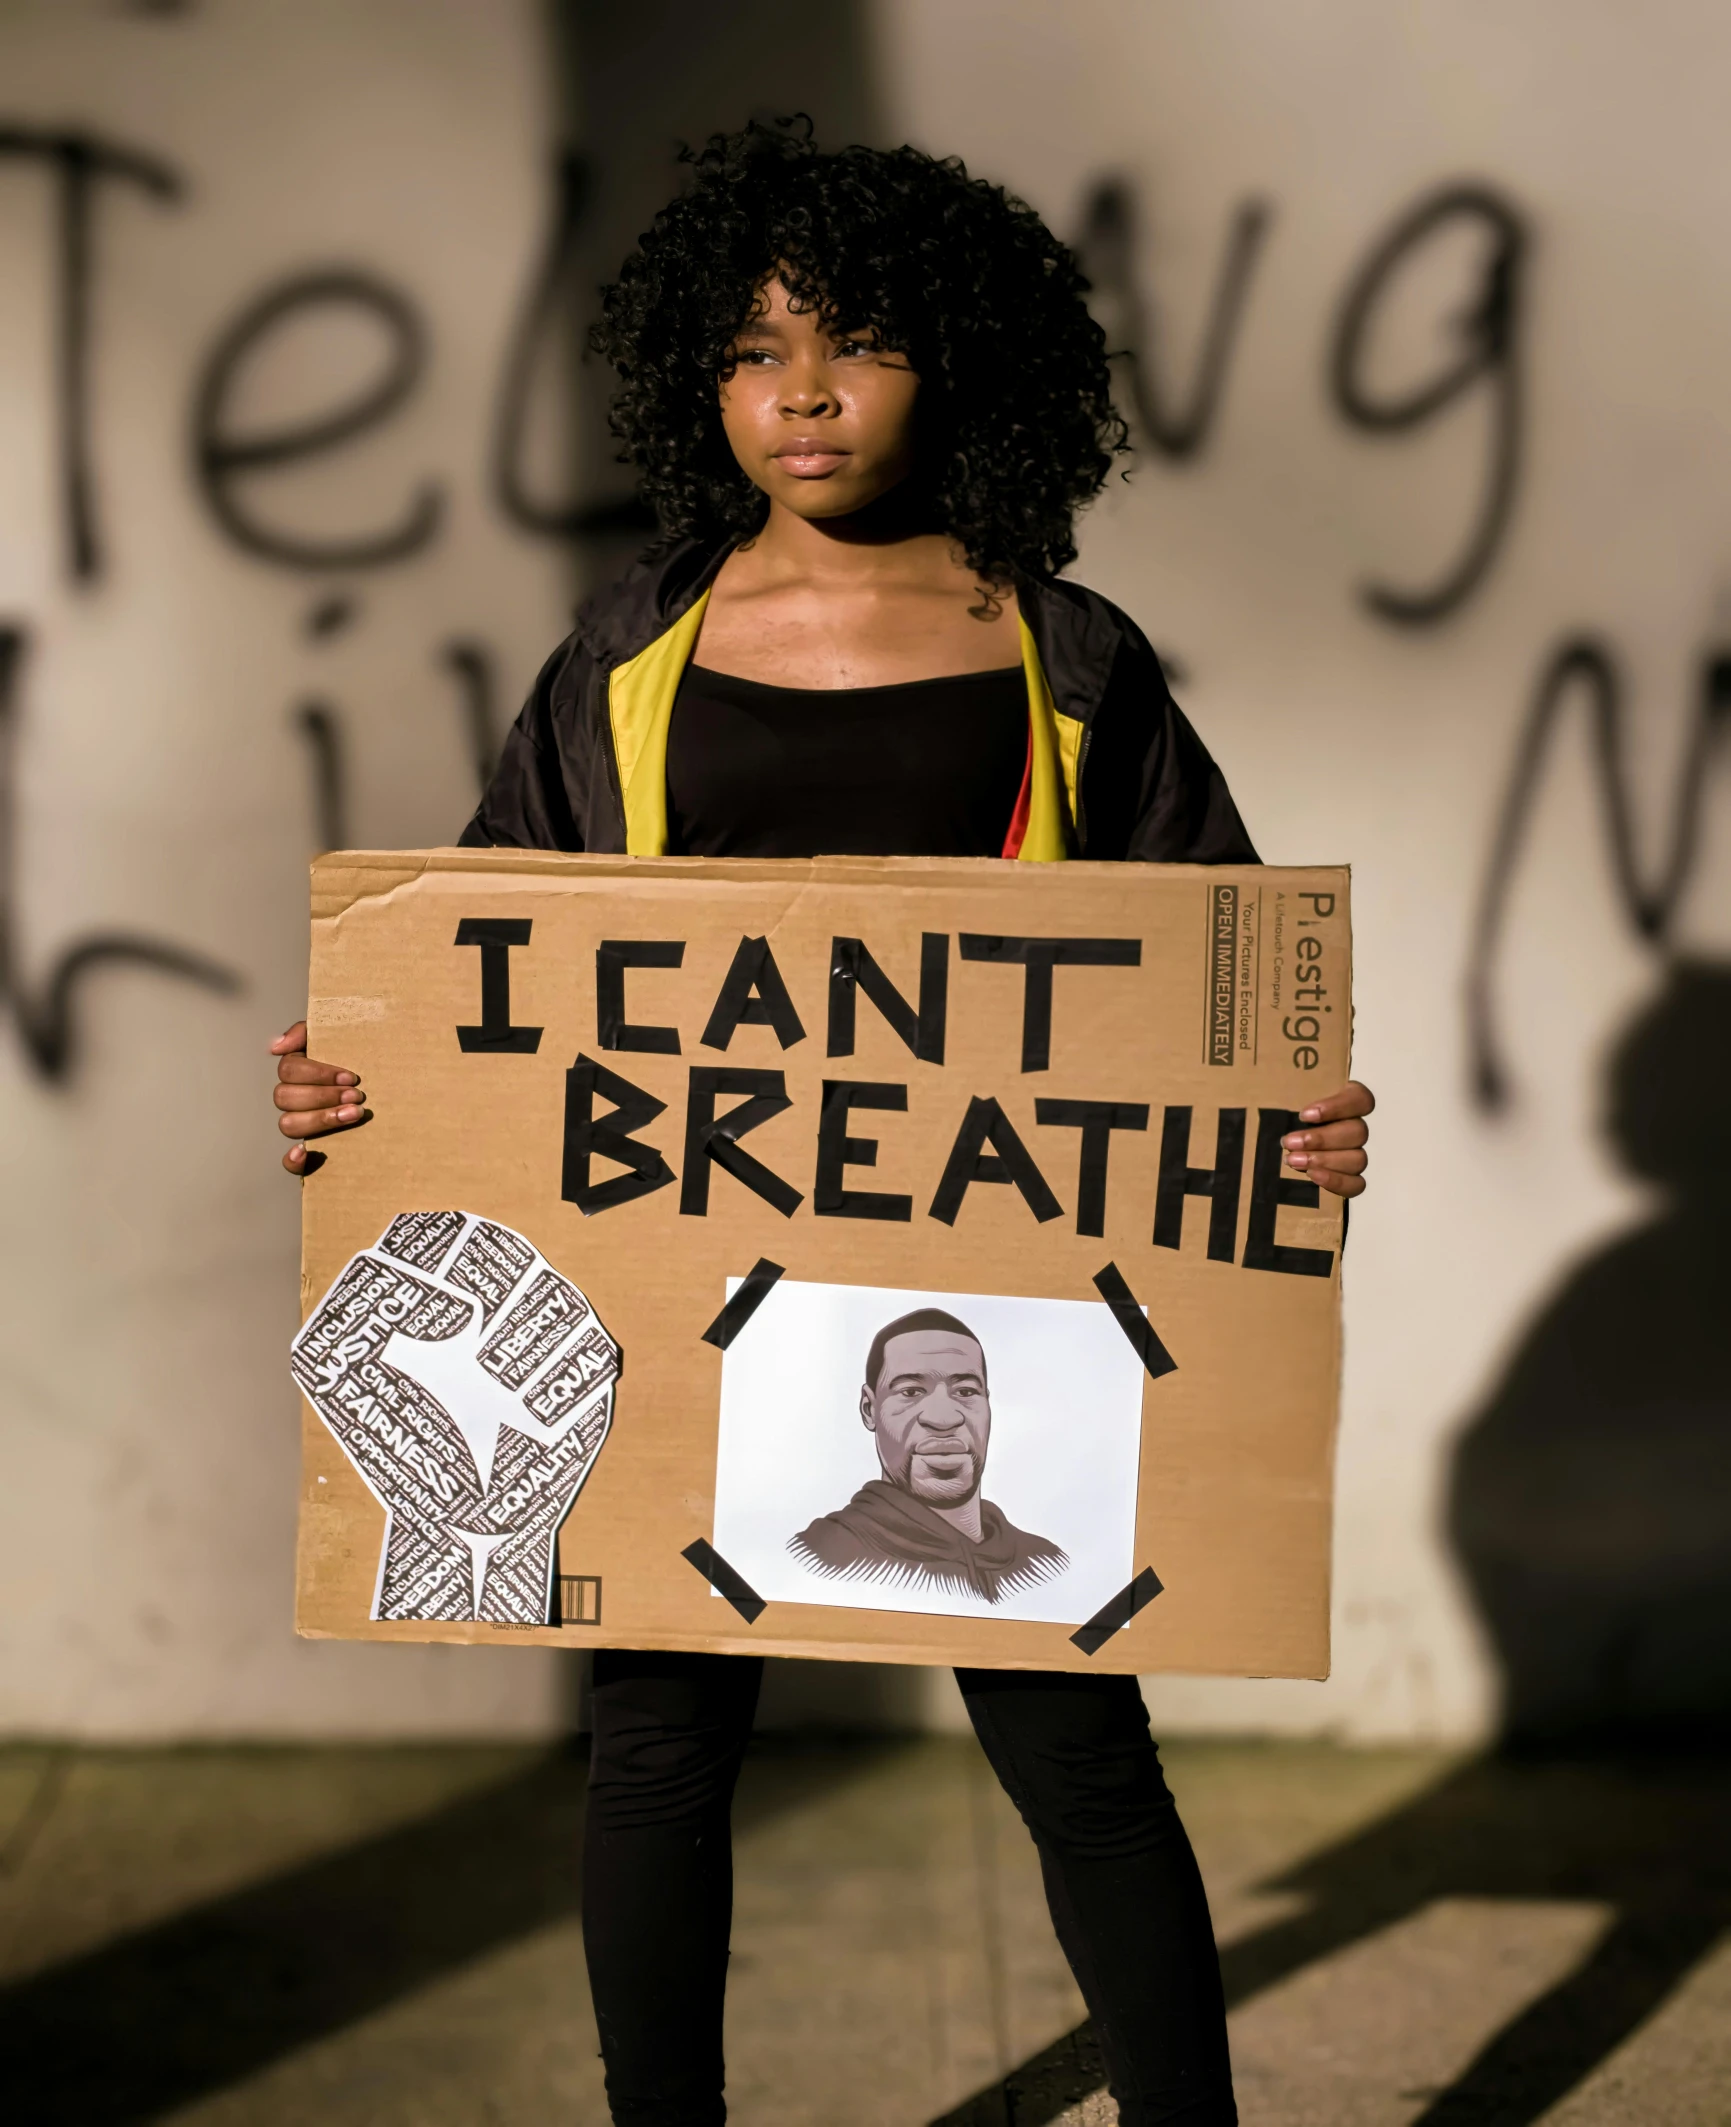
(739,1592)
(752,995)
(612,957)
(1096,1119)
(1109,1284)
(1269,1189)
(1039,956)
(709,1137)
(753,1290)
(1116,1614)
(496,935)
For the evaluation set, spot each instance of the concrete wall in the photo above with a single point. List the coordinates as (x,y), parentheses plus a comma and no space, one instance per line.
(1391,747)
(161,782)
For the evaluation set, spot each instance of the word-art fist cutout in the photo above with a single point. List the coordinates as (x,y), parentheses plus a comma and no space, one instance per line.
(471,1386)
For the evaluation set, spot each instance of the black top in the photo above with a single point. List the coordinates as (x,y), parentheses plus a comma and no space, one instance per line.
(931,768)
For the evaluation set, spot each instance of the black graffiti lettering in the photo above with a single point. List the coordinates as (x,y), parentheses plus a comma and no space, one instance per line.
(852,969)
(836,1152)
(752,995)
(613,1138)
(495,935)
(44,1016)
(1096,1119)
(1489,334)
(1269,1190)
(1108,247)
(225,457)
(545,344)
(709,1137)
(1586,668)
(1008,1161)
(80,162)
(471,665)
(319,726)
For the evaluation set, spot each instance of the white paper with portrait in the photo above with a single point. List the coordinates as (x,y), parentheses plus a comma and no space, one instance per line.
(1065,1388)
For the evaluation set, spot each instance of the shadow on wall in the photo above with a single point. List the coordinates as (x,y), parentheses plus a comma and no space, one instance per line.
(1591,1500)
(1591,1510)
(638,84)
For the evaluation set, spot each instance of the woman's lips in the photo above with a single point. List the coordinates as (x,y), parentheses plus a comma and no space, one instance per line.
(812,464)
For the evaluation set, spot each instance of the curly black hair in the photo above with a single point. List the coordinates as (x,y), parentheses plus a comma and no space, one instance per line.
(964,279)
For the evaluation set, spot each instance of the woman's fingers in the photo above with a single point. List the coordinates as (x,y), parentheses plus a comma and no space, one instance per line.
(1332,1137)
(1352,1100)
(318,1122)
(297,1070)
(290,1099)
(312,1098)
(1331,1152)
(1317,1164)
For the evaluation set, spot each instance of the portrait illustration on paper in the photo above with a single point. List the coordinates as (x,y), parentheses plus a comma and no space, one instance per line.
(926,1399)
(957,1454)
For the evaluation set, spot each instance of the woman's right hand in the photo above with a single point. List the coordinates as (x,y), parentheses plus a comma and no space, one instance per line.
(312,1099)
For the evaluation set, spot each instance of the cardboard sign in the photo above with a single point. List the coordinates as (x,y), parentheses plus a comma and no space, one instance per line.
(882,1259)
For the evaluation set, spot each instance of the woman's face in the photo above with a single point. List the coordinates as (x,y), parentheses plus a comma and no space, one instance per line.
(821,422)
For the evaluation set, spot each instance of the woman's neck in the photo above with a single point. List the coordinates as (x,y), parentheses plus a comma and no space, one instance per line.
(847,602)
(891,543)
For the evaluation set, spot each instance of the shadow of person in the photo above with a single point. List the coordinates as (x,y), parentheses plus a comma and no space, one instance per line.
(1591,1500)
(1590,1507)
(169,2014)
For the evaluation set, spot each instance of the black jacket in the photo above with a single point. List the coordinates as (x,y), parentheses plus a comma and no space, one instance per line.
(1114,769)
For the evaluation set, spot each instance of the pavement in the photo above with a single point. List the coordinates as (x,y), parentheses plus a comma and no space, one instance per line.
(370,1937)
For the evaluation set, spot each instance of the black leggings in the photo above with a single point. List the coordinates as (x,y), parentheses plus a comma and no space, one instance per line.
(1074,1755)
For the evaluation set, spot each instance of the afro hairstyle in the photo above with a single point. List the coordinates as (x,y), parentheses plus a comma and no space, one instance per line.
(1018,426)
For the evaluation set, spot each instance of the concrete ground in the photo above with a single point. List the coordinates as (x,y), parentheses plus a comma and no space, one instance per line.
(387,1938)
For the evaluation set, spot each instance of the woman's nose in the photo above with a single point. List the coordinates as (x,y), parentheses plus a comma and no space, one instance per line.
(808,393)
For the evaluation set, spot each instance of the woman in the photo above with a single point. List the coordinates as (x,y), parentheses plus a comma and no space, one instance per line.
(866,400)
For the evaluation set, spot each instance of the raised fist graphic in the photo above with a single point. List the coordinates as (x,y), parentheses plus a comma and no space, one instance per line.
(471,1385)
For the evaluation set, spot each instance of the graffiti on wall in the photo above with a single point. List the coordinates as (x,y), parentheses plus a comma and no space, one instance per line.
(1483,352)
(230,459)
(1485,333)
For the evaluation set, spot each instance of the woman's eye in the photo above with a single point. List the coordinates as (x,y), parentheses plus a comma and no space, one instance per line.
(752,357)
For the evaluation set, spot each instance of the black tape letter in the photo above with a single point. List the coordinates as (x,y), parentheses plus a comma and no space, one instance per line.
(1269,1189)
(1096,1119)
(753,995)
(836,1151)
(1008,1161)
(852,969)
(708,1137)
(612,957)
(1221,1182)
(1038,956)
(585,1138)
(496,936)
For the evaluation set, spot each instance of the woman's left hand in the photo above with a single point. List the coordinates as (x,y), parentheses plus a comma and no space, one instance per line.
(1331,1153)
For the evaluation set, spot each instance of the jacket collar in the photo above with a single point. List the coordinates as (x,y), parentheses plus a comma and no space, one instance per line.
(642,630)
